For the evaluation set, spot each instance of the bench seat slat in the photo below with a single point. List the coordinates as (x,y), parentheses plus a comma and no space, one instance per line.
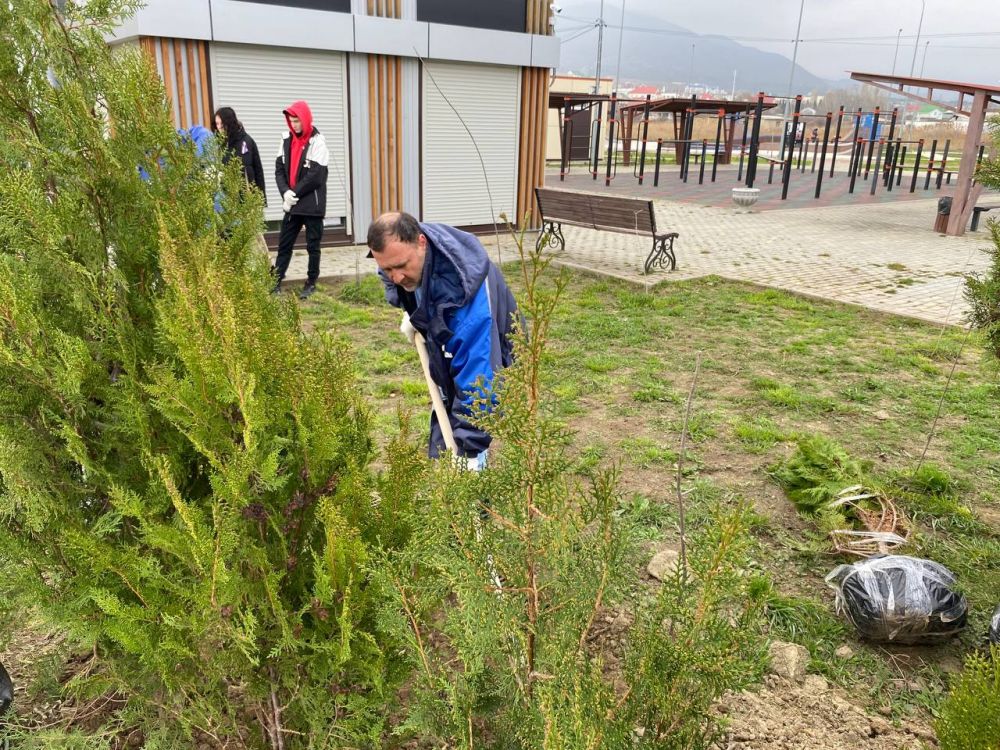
(613,213)
(608,213)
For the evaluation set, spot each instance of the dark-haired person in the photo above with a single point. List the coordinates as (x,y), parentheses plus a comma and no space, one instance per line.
(241,145)
(452,293)
(301,171)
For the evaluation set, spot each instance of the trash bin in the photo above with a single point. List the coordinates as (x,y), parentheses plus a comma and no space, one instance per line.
(941,221)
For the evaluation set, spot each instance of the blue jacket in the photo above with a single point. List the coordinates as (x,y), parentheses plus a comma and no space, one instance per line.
(203,140)
(201,137)
(466,313)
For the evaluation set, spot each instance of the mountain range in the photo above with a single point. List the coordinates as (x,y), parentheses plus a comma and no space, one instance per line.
(662,55)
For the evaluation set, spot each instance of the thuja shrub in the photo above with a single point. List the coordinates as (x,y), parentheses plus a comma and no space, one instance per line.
(970,715)
(982,291)
(185,481)
(504,593)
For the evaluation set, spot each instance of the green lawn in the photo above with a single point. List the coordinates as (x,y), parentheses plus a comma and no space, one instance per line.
(774,367)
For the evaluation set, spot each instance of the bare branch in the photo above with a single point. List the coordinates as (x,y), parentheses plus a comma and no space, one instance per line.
(680,467)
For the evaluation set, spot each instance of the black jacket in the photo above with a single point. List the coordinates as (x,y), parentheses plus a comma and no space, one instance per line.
(310,181)
(245,148)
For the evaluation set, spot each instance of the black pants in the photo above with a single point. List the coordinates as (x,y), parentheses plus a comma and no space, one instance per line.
(290,227)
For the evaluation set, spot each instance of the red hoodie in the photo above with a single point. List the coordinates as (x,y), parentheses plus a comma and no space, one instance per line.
(299,142)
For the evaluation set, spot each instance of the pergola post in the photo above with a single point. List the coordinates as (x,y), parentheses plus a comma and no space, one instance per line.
(965,197)
(626,128)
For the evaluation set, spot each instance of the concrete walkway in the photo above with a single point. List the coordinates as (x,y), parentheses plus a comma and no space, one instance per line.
(880,256)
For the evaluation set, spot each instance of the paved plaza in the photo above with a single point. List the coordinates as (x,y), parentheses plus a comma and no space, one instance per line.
(834,191)
(883,256)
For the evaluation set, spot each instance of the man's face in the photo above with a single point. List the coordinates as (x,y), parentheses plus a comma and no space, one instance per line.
(296,124)
(403,262)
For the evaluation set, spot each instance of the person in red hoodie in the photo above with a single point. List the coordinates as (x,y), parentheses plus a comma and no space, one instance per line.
(300,172)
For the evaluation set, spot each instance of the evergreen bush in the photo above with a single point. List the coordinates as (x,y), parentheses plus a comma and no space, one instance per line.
(185,482)
(970,716)
(505,593)
(982,291)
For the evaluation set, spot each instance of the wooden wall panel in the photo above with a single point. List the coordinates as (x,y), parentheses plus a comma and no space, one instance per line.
(534,114)
(538,17)
(531,154)
(385,114)
(183,64)
(385,8)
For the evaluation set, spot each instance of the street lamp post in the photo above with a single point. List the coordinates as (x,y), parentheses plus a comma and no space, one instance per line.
(791,74)
(795,49)
(621,36)
(896,53)
(600,45)
(916,44)
(924,61)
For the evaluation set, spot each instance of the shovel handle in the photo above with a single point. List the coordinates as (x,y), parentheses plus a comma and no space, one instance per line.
(439,408)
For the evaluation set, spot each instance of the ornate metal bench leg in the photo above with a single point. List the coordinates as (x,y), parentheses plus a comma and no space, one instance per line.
(651,258)
(668,251)
(553,230)
(662,254)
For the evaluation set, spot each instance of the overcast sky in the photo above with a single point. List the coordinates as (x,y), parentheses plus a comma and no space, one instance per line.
(964,35)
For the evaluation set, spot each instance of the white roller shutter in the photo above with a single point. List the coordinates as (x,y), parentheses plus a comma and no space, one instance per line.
(488,99)
(259,82)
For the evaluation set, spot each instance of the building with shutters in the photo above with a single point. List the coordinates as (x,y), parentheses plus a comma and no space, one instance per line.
(384,79)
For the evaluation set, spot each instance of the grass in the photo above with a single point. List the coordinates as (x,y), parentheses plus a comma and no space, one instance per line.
(774,367)
(774,364)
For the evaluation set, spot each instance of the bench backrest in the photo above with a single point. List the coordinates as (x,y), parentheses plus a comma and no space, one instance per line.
(611,212)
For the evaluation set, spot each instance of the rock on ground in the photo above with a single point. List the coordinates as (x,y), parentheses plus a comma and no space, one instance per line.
(664,564)
(788,660)
(844,652)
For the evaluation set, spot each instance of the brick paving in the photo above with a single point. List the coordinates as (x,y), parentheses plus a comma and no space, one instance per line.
(834,191)
(883,256)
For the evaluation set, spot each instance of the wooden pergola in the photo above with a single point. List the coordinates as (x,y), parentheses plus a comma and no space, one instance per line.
(975,101)
(681,108)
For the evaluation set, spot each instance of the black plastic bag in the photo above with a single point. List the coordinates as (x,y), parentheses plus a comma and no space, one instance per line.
(994,634)
(6,690)
(900,599)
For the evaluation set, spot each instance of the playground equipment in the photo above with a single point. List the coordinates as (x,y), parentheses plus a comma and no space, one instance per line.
(862,150)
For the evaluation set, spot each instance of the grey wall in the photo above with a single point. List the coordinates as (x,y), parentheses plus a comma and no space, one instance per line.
(282,25)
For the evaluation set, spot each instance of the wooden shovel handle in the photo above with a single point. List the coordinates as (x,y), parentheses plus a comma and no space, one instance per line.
(439,408)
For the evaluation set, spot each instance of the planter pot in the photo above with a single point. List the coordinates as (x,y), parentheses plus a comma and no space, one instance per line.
(745,197)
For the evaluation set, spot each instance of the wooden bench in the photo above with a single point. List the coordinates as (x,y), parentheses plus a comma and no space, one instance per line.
(607,213)
(976,211)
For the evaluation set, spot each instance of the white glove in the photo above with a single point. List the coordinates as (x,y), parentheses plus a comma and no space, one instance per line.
(472,463)
(406,327)
(289,199)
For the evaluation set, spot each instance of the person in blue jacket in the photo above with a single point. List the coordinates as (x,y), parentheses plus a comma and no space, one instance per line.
(457,298)
(203,141)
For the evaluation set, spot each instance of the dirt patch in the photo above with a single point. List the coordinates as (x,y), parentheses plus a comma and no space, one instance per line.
(30,651)
(784,715)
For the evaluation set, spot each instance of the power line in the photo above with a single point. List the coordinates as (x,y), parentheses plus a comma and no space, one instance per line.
(943,35)
(890,44)
(870,38)
(578,34)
